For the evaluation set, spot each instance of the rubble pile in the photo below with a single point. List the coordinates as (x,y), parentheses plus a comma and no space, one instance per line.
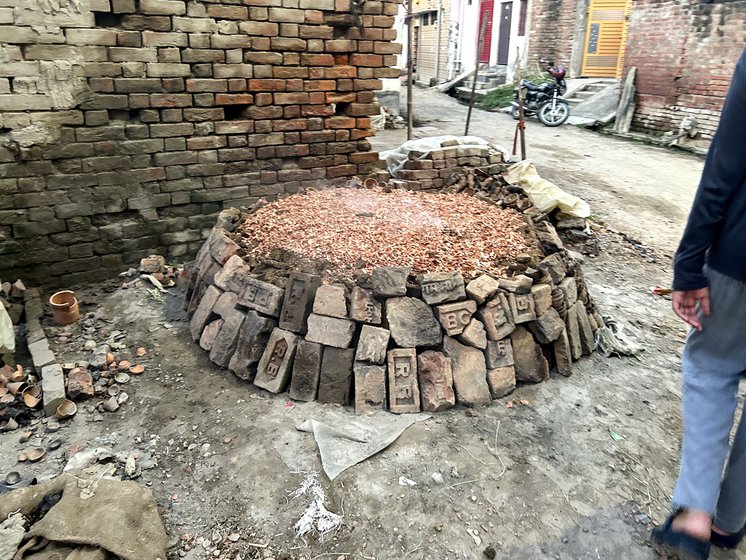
(394,338)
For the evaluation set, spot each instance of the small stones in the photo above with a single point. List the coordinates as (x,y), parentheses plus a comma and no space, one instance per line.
(330,301)
(442,287)
(454,317)
(391,281)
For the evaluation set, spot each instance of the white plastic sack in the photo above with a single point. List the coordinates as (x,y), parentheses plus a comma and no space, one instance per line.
(396,158)
(545,195)
(7,335)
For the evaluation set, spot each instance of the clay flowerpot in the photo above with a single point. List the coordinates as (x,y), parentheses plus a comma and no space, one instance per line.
(17,387)
(36,454)
(8,425)
(137,370)
(30,400)
(3,391)
(5,399)
(114,390)
(66,410)
(64,307)
(121,377)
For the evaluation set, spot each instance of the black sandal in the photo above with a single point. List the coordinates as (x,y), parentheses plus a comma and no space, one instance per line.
(670,542)
(727,541)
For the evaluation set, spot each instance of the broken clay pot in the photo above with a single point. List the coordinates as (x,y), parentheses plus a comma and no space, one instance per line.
(64,307)
(66,410)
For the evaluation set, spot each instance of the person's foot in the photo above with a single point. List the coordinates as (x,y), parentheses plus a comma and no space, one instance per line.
(671,541)
(721,539)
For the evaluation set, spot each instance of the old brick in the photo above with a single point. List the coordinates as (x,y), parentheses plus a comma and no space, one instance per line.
(436,381)
(404,392)
(273,371)
(370,388)
(252,341)
(304,384)
(469,373)
(335,382)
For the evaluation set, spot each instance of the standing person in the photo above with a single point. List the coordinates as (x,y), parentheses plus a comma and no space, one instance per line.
(710,295)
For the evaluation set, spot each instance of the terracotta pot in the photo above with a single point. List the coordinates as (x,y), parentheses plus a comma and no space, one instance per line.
(17,388)
(66,410)
(64,307)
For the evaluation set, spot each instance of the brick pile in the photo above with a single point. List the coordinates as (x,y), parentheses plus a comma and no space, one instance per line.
(392,341)
(127,125)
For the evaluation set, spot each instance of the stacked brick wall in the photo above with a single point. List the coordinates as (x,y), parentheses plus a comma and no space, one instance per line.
(127,125)
(552,31)
(685,53)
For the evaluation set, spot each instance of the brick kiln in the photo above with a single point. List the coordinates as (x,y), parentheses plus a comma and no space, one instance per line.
(350,329)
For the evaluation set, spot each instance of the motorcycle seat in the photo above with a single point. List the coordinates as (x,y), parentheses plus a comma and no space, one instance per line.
(532,87)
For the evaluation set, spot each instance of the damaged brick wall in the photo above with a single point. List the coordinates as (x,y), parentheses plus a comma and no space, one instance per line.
(127,125)
(552,32)
(685,53)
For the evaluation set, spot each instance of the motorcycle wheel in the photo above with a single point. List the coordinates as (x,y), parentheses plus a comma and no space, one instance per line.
(556,117)
(514,113)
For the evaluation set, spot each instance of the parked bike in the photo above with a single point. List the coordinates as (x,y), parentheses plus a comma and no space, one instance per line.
(544,100)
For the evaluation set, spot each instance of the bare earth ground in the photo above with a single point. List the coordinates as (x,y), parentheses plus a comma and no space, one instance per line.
(555,485)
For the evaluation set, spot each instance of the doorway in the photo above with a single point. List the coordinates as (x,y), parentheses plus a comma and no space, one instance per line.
(503,45)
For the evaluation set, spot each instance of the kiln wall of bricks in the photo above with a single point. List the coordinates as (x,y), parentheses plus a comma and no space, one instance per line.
(396,342)
(685,53)
(127,125)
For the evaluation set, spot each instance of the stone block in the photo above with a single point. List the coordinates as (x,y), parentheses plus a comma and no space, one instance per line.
(522,308)
(203,312)
(548,327)
(454,317)
(474,335)
(53,387)
(436,381)
(555,266)
(221,246)
(273,371)
(442,287)
(469,373)
(254,294)
(331,301)
(530,364)
(335,381)
(542,294)
(226,342)
(570,290)
(372,345)
(499,354)
(299,298)
(370,388)
(412,323)
(80,384)
(563,354)
(210,334)
(252,340)
(330,331)
(572,323)
(391,281)
(226,304)
(497,318)
(519,284)
(364,308)
(41,355)
(404,392)
(483,288)
(304,384)
(501,381)
(587,340)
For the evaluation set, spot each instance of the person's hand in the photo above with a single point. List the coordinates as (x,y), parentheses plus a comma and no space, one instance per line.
(685,305)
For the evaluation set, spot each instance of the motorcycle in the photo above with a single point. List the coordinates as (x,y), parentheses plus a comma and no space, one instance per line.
(544,100)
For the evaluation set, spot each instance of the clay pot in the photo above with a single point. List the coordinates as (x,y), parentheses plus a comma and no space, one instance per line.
(5,399)
(30,400)
(114,390)
(66,410)
(13,478)
(64,307)
(16,388)
(121,377)
(111,405)
(3,391)
(137,370)
(36,454)
(17,375)
(124,365)
(8,425)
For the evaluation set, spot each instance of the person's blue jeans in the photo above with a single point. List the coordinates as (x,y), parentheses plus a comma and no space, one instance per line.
(713,363)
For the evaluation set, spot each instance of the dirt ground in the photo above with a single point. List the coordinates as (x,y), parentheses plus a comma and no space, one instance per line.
(540,479)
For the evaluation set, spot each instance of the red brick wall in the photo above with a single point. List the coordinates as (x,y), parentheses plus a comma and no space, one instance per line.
(685,52)
(552,31)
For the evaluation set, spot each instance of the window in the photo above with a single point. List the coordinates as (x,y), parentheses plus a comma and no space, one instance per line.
(522,18)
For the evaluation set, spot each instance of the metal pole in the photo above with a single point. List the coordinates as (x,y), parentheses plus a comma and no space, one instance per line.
(521,116)
(437,48)
(480,45)
(410,70)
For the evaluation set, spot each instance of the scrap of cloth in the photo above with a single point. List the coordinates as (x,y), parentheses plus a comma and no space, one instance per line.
(74,518)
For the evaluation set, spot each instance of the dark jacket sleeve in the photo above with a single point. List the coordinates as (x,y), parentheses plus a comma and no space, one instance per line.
(723,176)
